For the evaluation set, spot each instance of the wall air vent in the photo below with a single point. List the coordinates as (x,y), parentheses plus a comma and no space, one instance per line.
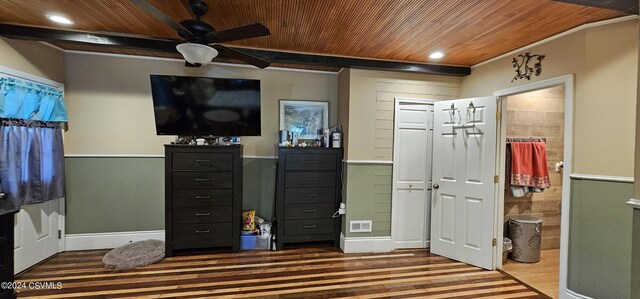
(360,226)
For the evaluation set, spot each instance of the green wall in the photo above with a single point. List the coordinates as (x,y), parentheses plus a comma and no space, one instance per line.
(635,255)
(117,194)
(600,239)
(114,194)
(259,186)
(368,197)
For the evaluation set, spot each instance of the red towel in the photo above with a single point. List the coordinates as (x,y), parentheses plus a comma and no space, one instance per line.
(529,164)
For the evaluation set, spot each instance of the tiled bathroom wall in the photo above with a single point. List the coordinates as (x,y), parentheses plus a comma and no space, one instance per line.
(540,114)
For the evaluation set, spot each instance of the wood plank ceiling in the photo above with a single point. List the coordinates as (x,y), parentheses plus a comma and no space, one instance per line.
(469,31)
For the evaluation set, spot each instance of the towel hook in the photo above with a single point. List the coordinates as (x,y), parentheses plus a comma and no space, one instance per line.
(452,114)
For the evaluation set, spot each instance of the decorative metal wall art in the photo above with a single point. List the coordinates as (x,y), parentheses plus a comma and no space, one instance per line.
(523,70)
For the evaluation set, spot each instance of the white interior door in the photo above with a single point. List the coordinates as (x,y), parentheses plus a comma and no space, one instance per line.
(463,204)
(412,175)
(36,233)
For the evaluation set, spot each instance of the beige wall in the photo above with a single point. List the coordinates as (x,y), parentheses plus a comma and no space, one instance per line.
(344,85)
(33,58)
(371,104)
(540,114)
(604,60)
(111,111)
(370,97)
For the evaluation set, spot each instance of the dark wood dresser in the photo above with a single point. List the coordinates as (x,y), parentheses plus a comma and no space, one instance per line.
(203,197)
(6,253)
(309,191)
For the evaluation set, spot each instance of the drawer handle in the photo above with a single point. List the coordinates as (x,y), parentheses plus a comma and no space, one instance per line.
(310,161)
(311,180)
(203,161)
(203,197)
(310,211)
(310,195)
(203,231)
(203,214)
(203,180)
(309,226)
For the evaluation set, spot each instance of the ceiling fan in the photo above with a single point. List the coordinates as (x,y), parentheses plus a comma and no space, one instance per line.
(202,40)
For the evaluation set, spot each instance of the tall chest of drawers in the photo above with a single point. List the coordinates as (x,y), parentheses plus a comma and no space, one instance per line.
(6,253)
(203,197)
(309,189)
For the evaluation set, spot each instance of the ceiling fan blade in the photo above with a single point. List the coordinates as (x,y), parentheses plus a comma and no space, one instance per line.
(233,53)
(161,16)
(242,32)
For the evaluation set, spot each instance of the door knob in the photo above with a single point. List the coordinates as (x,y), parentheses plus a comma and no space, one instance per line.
(436,186)
(3,196)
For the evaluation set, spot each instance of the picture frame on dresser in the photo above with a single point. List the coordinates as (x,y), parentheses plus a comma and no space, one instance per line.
(307,118)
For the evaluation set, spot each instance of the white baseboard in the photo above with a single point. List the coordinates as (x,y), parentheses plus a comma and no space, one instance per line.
(569,294)
(365,244)
(108,240)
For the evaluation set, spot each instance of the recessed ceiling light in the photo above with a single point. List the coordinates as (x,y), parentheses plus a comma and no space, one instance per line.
(59,19)
(436,55)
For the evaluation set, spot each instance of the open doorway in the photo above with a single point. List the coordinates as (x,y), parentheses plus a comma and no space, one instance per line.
(535,117)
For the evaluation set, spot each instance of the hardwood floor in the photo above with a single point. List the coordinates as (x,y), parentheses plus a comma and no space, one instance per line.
(543,275)
(295,273)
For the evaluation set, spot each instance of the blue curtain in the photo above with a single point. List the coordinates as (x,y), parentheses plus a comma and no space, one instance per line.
(31,101)
(31,148)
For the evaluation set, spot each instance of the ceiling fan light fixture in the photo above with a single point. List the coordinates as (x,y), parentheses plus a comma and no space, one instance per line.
(197,53)
(59,19)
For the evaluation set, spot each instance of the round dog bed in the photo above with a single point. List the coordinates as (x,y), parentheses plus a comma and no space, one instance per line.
(134,255)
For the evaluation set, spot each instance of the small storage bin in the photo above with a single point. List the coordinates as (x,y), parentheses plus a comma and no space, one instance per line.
(506,247)
(526,234)
(248,242)
(263,242)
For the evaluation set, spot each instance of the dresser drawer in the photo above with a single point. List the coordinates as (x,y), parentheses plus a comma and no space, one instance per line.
(309,211)
(6,227)
(201,214)
(202,161)
(310,179)
(6,259)
(310,162)
(202,180)
(308,227)
(6,275)
(202,198)
(309,195)
(197,232)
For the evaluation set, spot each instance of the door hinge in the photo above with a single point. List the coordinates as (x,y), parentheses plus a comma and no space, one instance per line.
(494,242)
(498,115)
(59,234)
(496,179)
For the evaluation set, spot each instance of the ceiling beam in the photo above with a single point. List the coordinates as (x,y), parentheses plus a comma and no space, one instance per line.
(169,45)
(350,62)
(628,6)
(80,37)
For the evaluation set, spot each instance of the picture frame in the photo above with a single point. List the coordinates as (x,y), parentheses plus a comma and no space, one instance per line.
(308,118)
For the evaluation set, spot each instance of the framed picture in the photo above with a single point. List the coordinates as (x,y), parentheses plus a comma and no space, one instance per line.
(308,118)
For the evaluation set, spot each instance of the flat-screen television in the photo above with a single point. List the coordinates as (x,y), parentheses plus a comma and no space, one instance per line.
(202,106)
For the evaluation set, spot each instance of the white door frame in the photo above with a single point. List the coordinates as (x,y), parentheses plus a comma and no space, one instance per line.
(568,82)
(394,187)
(61,224)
